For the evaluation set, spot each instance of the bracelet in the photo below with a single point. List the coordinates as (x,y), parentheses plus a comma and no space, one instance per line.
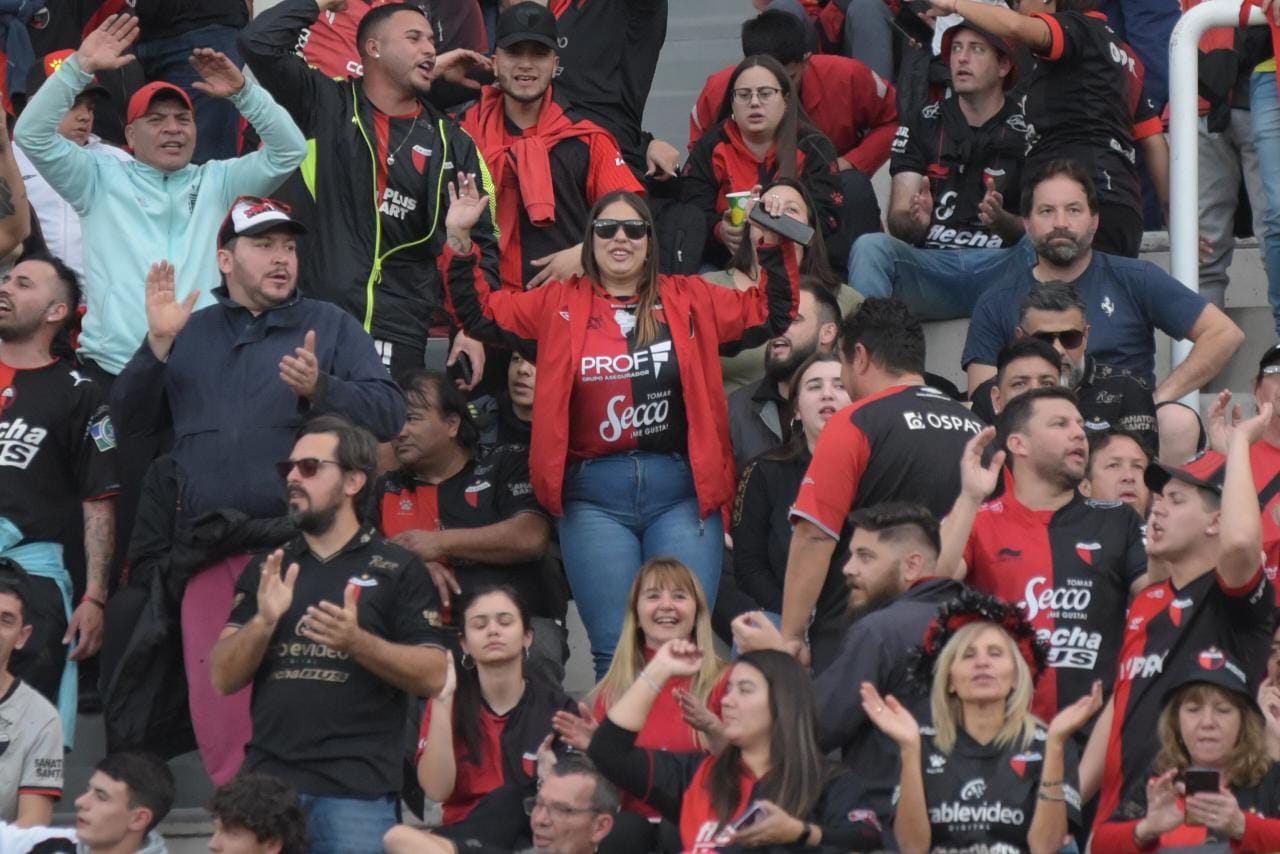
(654,685)
(1057,800)
(803,838)
(87,598)
(1051,783)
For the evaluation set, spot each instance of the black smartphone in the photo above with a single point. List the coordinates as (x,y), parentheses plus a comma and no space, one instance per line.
(908,22)
(461,369)
(754,813)
(785,226)
(1200,780)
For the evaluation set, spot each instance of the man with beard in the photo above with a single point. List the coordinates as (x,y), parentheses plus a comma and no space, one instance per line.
(235,380)
(758,415)
(332,645)
(549,166)
(890,572)
(1124,297)
(1071,562)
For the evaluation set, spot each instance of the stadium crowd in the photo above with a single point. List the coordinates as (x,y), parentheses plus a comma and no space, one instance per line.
(344,344)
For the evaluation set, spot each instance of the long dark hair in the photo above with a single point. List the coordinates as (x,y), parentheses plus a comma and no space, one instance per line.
(789,130)
(797,446)
(797,769)
(467,700)
(814,262)
(646,323)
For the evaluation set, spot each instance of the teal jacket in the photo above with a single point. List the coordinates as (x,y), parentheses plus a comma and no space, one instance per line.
(133,215)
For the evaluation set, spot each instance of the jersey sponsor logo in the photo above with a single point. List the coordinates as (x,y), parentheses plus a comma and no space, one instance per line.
(647,417)
(1074,648)
(938,421)
(1141,666)
(899,145)
(943,236)
(48,769)
(953,812)
(974,789)
(19,443)
(77,378)
(519,488)
(930,111)
(406,506)
(1122,58)
(1135,624)
(946,205)
(937,764)
(626,365)
(1156,593)
(1086,549)
(103,434)
(397,205)
(380,562)
(1039,597)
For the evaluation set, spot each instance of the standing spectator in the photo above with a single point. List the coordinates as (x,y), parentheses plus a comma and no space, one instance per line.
(59,221)
(760,136)
(59,472)
(981,660)
(1070,563)
(548,166)
(380,157)
(1126,298)
(629,450)
(329,679)
(1265,454)
(31,764)
(1264,132)
(506,418)
(257,814)
(234,381)
(1117,461)
(770,481)
(865,457)
(469,514)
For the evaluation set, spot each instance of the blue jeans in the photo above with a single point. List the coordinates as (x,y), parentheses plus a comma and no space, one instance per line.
(1264,117)
(347,825)
(168,59)
(620,511)
(936,284)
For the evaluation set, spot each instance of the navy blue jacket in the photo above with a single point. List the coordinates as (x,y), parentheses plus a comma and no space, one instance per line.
(232,415)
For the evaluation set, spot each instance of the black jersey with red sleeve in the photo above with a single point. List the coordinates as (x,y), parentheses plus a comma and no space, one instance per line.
(57,448)
(1071,569)
(1079,104)
(1166,625)
(491,488)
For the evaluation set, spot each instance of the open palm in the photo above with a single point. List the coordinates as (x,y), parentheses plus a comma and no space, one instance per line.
(165,315)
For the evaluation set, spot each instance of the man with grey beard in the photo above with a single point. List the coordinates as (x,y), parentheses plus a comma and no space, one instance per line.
(1124,297)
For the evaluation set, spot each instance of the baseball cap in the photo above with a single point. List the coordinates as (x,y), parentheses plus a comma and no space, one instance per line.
(527,22)
(1270,357)
(1002,46)
(142,99)
(1205,472)
(255,214)
(53,61)
(1214,667)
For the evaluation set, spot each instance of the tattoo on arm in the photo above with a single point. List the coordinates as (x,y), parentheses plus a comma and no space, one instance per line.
(99,540)
(7,207)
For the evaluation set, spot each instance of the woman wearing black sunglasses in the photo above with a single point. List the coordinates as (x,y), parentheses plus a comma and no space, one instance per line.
(630,445)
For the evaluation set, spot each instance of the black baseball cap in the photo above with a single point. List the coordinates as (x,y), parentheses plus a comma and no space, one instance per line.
(1002,46)
(1214,667)
(1205,471)
(15,580)
(527,22)
(1270,357)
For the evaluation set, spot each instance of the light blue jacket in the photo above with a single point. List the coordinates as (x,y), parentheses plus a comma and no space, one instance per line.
(133,215)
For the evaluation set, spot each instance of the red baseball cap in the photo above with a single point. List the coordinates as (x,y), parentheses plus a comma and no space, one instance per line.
(142,99)
(53,61)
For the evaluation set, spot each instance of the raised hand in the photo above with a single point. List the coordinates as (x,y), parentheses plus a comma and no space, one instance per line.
(557,267)
(677,657)
(977,481)
(104,48)
(466,205)
(450,680)
(1163,812)
(222,78)
(165,315)
(275,587)
(454,65)
(1222,421)
(890,716)
(753,631)
(301,371)
(1252,429)
(575,730)
(336,627)
(1070,718)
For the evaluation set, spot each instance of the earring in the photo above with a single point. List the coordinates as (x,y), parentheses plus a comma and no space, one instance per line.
(526,653)
(468,663)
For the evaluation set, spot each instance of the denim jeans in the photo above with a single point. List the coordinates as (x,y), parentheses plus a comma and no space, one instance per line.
(620,511)
(936,284)
(168,59)
(1264,114)
(348,825)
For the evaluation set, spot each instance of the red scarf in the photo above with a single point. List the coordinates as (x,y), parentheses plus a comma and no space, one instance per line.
(737,168)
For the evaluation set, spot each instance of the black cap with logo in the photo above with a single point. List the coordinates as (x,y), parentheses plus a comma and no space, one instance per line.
(527,22)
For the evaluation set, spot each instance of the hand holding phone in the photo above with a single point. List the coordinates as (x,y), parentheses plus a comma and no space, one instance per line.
(783,225)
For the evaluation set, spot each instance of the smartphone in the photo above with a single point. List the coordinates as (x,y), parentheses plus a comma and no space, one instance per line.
(785,226)
(1200,780)
(754,813)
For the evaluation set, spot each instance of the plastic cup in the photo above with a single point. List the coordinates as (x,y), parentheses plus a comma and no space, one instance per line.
(738,206)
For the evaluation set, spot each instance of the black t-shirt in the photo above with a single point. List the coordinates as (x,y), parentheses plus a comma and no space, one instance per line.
(957,158)
(321,721)
(491,488)
(982,798)
(57,448)
(1165,626)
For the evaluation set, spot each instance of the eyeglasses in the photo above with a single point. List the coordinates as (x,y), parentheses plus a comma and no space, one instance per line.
(1070,338)
(558,811)
(634,229)
(766,94)
(307,466)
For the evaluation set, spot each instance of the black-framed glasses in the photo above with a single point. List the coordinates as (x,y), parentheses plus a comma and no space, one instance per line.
(558,811)
(634,229)
(1070,338)
(765,94)
(307,466)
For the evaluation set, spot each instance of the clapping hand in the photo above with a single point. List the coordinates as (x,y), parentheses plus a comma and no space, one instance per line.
(275,587)
(301,371)
(890,716)
(575,730)
(337,627)
(1070,718)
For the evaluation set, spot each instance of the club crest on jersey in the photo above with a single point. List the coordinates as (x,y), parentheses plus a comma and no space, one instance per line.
(1211,659)
(363,581)
(864,817)
(1019,763)
(420,156)
(472,494)
(1175,609)
(1086,549)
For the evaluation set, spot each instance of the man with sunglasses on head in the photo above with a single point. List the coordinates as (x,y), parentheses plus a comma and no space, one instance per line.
(333,631)
(234,381)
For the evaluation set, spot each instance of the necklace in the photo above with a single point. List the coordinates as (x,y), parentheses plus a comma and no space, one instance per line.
(391,158)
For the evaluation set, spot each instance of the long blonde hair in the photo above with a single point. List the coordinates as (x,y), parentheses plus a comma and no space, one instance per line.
(628,656)
(1248,762)
(948,710)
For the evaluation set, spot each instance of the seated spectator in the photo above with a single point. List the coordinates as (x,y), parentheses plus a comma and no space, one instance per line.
(770,765)
(234,381)
(488,718)
(1026,364)
(981,659)
(257,814)
(507,417)
(59,220)
(129,794)
(31,763)
(623,414)
(893,594)
(957,173)
(1125,297)
(1117,461)
(768,485)
(331,681)
(789,196)
(760,136)
(1210,723)
(468,512)
(572,813)
(548,166)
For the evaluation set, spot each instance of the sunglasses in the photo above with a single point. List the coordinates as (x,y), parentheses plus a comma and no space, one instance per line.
(634,229)
(1070,338)
(307,466)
